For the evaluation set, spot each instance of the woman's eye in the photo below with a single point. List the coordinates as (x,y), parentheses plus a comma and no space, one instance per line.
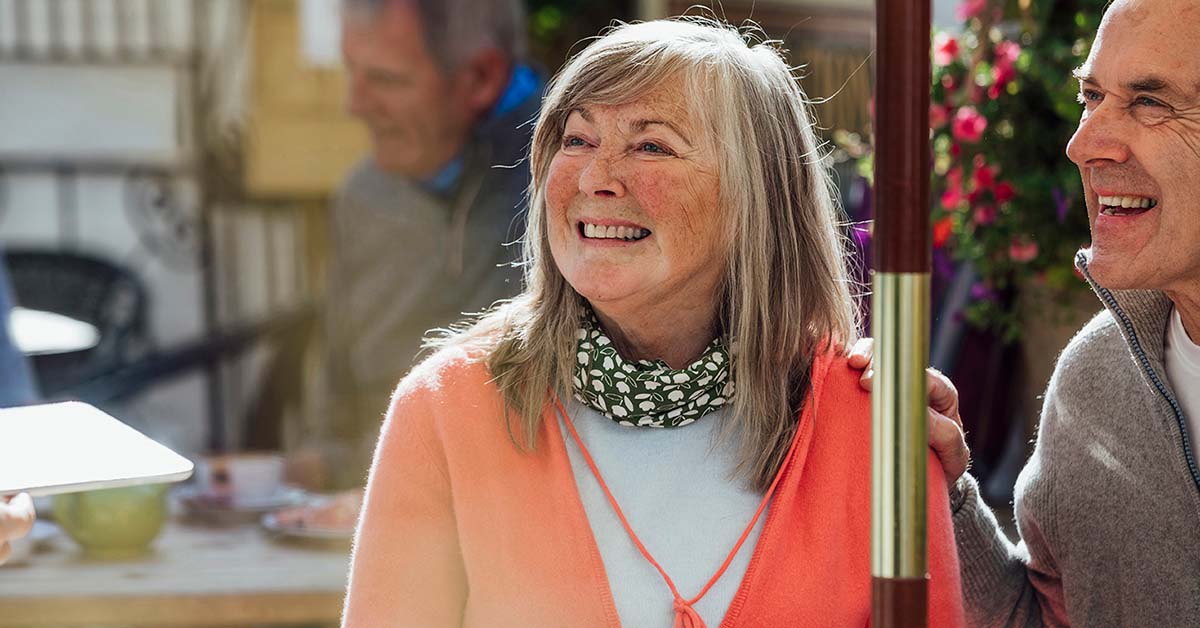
(573,141)
(651,147)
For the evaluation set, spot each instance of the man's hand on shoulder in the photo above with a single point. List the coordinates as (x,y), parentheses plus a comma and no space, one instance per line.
(946,436)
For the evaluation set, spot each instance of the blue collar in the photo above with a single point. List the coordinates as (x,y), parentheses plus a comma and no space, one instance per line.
(523,83)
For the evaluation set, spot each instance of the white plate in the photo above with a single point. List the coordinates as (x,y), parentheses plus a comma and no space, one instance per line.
(299,522)
(272,524)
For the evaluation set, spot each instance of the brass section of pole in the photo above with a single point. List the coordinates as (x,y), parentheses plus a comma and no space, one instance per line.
(900,311)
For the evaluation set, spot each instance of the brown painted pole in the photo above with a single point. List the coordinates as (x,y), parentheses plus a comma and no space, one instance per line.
(900,315)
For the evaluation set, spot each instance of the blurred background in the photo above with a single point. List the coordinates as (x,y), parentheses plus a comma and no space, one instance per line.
(168,168)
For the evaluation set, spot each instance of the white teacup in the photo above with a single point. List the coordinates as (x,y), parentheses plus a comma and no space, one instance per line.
(242,477)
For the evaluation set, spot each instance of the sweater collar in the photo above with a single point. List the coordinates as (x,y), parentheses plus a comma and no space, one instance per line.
(1141,315)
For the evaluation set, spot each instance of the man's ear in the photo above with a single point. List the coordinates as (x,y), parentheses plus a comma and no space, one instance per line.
(482,79)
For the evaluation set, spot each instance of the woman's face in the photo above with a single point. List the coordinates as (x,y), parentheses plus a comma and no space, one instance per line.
(633,216)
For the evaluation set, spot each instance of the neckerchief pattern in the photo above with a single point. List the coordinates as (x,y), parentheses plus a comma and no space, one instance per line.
(648,393)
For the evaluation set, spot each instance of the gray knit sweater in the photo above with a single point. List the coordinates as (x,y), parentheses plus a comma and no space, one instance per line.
(1108,506)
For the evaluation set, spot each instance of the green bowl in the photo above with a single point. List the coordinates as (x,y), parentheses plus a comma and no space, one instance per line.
(113,523)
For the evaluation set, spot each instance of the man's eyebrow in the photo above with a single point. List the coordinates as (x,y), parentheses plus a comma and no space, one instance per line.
(1149,83)
(1152,84)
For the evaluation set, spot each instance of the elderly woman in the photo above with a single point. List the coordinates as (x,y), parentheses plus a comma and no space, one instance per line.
(657,431)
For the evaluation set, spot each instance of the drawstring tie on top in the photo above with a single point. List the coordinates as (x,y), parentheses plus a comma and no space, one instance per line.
(685,615)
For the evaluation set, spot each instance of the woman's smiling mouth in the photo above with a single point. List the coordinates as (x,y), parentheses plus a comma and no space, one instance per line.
(592,231)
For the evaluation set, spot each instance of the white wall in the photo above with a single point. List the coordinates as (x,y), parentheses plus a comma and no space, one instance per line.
(75,106)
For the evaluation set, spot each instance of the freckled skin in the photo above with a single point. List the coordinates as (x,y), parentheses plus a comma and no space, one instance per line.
(657,295)
(1146,142)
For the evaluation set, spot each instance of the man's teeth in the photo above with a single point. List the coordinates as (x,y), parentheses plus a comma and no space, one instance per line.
(616,233)
(1128,202)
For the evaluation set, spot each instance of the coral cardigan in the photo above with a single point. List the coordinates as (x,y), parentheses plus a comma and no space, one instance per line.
(462,529)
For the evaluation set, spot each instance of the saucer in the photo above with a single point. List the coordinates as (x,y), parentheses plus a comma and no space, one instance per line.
(214,508)
(329,518)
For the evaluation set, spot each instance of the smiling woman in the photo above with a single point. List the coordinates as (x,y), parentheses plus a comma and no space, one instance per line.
(683,270)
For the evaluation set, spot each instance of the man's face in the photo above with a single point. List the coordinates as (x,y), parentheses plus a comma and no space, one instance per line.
(416,116)
(1138,146)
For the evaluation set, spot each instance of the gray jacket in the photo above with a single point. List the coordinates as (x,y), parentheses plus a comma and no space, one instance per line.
(1108,506)
(406,260)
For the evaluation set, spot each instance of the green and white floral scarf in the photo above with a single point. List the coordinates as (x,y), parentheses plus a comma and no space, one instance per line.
(648,393)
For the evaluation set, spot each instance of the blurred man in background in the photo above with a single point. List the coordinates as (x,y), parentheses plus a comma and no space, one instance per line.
(419,228)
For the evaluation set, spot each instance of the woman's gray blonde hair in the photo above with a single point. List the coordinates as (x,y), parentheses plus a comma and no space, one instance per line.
(786,292)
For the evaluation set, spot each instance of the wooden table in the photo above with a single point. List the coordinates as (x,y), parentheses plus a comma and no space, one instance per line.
(195,576)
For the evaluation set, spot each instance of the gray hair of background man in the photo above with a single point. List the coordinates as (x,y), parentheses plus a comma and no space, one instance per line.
(456,29)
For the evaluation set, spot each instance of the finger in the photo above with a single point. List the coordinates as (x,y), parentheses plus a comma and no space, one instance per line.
(866,378)
(948,442)
(943,396)
(16,517)
(5,551)
(862,353)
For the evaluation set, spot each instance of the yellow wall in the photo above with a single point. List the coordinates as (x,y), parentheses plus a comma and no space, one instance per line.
(299,141)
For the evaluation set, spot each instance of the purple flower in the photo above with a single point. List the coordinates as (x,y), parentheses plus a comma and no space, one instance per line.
(1062,203)
(981,292)
(943,266)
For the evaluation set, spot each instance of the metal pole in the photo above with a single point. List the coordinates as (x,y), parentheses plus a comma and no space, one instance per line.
(900,315)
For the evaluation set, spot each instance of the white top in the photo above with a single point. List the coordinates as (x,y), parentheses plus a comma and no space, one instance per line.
(675,489)
(1183,370)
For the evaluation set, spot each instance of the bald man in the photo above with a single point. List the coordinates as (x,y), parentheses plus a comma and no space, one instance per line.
(1108,506)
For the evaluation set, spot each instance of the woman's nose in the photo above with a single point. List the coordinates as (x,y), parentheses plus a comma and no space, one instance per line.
(602,176)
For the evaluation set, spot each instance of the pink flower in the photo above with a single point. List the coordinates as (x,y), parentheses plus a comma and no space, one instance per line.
(1001,77)
(1007,53)
(938,116)
(1004,192)
(968,125)
(985,215)
(953,196)
(952,199)
(954,176)
(970,8)
(1022,250)
(945,49)
(984,177)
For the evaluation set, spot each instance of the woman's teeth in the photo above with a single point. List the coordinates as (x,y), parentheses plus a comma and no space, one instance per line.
(1125,205)
(616,233)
